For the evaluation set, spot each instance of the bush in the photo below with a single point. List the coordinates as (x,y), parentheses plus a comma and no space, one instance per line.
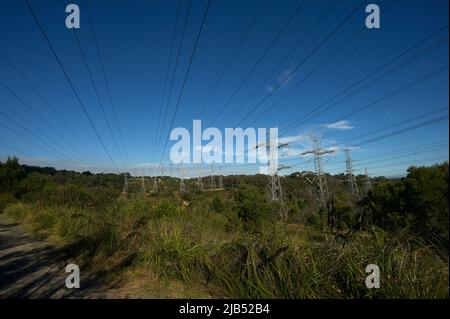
(165,209)
(217,205)
(6,200)
(252,207)
(419,201)
(18,211)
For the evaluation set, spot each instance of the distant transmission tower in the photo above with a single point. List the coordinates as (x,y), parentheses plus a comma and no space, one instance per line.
(182,183)
(213,178)
(350,176)
(319,181)
(220,179)
(143,182)
(275,189)
(367,183)
(199,180)
(125,184)
(155,182)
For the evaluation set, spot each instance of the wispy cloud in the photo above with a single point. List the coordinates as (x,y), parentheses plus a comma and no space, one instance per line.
(284,78)
(339,125)
(295,139)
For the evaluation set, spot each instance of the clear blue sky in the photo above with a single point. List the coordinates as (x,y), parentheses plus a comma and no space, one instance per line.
(134,39)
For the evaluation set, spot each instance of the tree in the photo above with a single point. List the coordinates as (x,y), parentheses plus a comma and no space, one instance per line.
(252,206)
(11,173)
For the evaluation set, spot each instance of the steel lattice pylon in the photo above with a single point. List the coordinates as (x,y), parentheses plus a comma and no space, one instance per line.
(367,183)
(320,180)
(350,177)
(275,189)
(125,184)
(181,175)
(143,183)
(199,180)
(213,178)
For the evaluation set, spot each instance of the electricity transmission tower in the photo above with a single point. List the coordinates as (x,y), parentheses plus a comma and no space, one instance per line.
(275,189)
(155,182)
(351,178)
(220,179)
(181,175)
(143,182)
(213,178)
(319,181)
(367,183)
(125,184)
(199,180)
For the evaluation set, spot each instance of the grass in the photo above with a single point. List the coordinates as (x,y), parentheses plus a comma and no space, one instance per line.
(200,247)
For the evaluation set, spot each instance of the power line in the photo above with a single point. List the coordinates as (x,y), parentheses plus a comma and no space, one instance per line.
(37,145)
(407,129)
(108,89)
(365,77)
(409,162)
(394,154)
(281,83)
(393,93)
(169,62)
(266,51)
(160,134)
(233,56)
(290,53)
(413,149)
(401,155)
(384,160)
(403,130)
(97,94)
(70,82)
(29,132)
(32,110)
(187,74)
(385,128)
(52,109)
(422,163)
(325,61)
(19,151)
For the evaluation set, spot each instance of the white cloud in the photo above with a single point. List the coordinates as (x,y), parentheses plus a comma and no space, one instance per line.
(295,139)
(285,77)
(339,125)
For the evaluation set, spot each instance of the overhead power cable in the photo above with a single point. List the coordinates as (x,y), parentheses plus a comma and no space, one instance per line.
(233,56)
(70,82)
(287,77)
(108,88)
(186,76)
(266,51)
(298,121)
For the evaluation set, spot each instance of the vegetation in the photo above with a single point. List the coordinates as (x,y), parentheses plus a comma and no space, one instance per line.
(231,241)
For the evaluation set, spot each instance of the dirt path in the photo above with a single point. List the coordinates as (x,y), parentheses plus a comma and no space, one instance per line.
(31,268)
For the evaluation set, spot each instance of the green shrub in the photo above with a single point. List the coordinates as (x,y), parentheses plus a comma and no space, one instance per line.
(252,206)
(18,211)
(5,200)
(165,209)
(217,205)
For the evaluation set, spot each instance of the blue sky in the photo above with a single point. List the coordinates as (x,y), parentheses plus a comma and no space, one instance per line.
(134,39)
